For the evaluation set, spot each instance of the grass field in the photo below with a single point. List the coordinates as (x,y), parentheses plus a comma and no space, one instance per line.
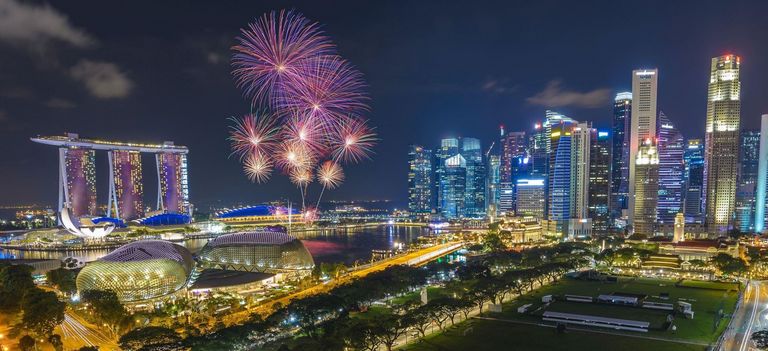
(706,299)
(692,334)
(493,335)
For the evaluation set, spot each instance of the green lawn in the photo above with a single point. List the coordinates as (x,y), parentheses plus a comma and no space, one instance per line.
(493,335)
(432,293)
(705,302)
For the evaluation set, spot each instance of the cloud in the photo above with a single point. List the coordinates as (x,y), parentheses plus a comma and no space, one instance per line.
(498,86)
(214,58)
(60,103)
(103,80)
(35,26)
(554,96)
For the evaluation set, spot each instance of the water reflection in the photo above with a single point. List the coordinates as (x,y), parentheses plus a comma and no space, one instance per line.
(345,245)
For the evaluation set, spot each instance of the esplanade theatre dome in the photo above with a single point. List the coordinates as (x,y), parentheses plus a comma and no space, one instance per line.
(140,270)
(270,250)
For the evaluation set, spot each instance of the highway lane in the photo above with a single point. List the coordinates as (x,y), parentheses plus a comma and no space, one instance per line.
(751,316)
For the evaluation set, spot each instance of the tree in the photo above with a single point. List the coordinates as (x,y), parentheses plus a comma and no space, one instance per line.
(15,281)
(391,327)
(421,318)
(56,342)
(151,338)
(760,339)
(107,308)
(492,242)
(62,279)
(26,343)
(42,312)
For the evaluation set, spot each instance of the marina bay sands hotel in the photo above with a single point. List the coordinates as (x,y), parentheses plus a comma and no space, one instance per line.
(77,176)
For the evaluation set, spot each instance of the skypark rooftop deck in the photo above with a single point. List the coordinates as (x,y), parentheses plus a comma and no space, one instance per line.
(74,140)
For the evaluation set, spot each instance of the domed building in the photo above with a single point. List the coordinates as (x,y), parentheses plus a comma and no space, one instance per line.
(141,270)
(267,250)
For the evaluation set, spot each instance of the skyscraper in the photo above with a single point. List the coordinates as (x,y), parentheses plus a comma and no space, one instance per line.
(419,181)
(643,132)
(646,189)
(174,187)
(599,180)
(749,151)
(453,187)
(474,204)
(559,182)
(694,181)
(579,183)
(493,186)
(530,195)
(126,190)
(622,123)
(513,146)
(762,177)
(721,154)
(448,148)
(671,147)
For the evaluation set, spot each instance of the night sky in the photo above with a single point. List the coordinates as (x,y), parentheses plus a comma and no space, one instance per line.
(159,70)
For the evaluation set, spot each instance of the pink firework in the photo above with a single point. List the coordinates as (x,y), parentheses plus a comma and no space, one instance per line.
(330,175)
(310,215)
(253,134)
(258,168)
(304,131)
(325,88)
(270,50)
(353,141)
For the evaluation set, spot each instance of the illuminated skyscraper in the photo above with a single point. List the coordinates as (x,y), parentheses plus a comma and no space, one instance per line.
(172,173)
(453,184)
(537,151)
(671,147)
(419,181)
(530,195)
(642,132)
(448,147)
(559,182)
(599,180)
(126,189)
(79,180)
(761,194)
(721,154)
(622,123)
(749,151)
(646,189)
(493,185)
(474,204)
(694,182)
(513,147)
(579,183)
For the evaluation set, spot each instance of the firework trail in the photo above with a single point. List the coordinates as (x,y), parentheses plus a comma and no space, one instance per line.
(270,50)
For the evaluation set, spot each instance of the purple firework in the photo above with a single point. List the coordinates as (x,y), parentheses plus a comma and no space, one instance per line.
(325,89)
(271,49)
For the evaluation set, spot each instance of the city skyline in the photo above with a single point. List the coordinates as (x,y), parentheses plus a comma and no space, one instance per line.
(468,102)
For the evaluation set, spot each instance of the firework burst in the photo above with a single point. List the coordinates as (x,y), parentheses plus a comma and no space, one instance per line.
(353,141)
(330,175)
(306,132)
(301,177)
(325,88)
(253,134)
(258,168)
(293,156)
(270,50)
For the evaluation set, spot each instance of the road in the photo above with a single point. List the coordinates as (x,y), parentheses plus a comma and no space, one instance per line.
(751,316)
(407,259)
(77,333)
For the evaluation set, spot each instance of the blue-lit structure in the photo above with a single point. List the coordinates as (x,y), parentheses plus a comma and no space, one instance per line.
(167,218)
(694,181)
(560,177)
(671,146)
(262,214)
(749,152)
(116,221)
(474,195)
(622,122)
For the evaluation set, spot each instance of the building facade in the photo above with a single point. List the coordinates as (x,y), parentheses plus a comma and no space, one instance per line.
(643,130)
(671,148)
(646,189)
(419,181)
(721,153)
(762,178)
(474,202)
(127,191)
(749,153)
(600,180)
(694,181)
(622,123)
